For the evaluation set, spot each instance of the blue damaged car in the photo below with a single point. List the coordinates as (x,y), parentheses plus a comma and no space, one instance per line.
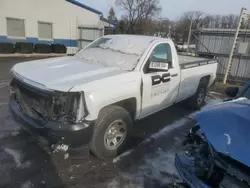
(216,152)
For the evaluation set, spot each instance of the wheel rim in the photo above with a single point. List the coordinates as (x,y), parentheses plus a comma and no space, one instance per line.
(115,135)
(201,97)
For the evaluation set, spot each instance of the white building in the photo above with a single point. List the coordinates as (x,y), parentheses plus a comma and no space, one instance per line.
(67,22)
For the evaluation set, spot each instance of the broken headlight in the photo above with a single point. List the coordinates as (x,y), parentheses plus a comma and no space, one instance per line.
(68,107)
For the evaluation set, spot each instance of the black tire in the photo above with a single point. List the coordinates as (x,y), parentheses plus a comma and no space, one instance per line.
(106,117)
(6,48)
(42,48)
(59,48)
(196,101)
(24,47)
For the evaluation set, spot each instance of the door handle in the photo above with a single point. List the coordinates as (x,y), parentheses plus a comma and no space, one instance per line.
(174,75)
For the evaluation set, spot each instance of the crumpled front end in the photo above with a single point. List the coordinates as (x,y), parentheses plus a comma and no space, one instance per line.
(48,105)
(54,118)
(201,166)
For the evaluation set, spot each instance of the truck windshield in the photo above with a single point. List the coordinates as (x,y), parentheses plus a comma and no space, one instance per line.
(110,53)
(123,51)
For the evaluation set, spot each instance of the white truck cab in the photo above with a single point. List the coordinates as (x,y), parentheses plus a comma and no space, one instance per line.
(93,98)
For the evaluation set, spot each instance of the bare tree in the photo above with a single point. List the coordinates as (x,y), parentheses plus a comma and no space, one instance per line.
(137,10)
(196,16)
(112,16)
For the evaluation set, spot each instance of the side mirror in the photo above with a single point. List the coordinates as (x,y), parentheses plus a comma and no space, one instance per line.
(232,91)
(158,66)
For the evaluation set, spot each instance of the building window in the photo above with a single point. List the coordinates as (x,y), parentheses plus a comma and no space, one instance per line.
(15,27)
(45,30)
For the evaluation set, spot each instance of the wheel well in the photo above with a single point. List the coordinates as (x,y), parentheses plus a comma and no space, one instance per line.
(205,80)
(129,105)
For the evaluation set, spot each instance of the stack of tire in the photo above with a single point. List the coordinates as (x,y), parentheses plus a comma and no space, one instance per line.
(24,47)
(58,48)
(6,48)
(28,48)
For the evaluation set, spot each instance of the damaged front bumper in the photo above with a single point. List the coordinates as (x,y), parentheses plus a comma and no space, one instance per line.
(183,165)
(51,133)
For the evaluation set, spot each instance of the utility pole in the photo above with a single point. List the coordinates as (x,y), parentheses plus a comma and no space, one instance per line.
(189,34)
(233,47)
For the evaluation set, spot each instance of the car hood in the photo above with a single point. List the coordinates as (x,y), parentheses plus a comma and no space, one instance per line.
(227,128)
(62,73)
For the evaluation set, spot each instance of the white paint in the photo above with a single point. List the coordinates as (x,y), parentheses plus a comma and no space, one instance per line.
(17,157)
(228,138)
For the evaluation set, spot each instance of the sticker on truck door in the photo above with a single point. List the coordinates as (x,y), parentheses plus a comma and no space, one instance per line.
(158,86)
(159,90)
(157,79)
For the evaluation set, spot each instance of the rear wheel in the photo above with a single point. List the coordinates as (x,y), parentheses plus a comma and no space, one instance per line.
(198,99)
(112,130)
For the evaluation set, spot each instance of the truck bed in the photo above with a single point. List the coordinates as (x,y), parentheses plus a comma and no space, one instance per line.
(183,59)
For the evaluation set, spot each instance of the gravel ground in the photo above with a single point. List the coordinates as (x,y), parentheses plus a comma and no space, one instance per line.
(147,161)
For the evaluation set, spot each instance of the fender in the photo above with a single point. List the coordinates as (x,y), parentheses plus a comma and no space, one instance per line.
(113,93)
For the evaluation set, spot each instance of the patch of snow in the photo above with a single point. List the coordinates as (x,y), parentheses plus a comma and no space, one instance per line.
(211,102)
(123,51)
(109,58)
(166,130)
(125,181)
(122,155)
(17,157)
(157,168)
(27,184)
(170,128)
(113,184)
(129,44)
(66,156)
(3,103)
(215,93)
(228,138)
(160,167)
(60,147)
(4,83)
(14,133)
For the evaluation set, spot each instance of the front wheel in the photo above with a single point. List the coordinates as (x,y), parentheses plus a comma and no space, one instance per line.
(112,129)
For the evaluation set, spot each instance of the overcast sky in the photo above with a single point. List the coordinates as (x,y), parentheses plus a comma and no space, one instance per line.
(172,9)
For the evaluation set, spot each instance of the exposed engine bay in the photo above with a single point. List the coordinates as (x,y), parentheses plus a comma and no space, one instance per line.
(214,169)
(47,105)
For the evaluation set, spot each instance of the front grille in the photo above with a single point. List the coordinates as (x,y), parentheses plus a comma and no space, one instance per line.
(46,105)
(33,102)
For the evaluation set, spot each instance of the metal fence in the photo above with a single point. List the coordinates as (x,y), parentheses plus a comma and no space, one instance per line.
(218,43)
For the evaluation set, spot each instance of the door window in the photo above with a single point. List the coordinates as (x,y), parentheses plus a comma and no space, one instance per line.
(160,54)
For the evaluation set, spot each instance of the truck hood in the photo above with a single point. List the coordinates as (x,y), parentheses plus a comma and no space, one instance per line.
(227,128)
(62,73)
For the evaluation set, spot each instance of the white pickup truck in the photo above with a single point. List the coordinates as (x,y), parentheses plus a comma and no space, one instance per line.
(91,100)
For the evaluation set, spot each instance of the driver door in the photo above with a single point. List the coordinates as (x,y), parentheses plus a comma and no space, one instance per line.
(159,88)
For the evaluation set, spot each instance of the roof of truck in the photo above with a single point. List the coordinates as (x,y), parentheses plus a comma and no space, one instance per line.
(130,44)
(139,37)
